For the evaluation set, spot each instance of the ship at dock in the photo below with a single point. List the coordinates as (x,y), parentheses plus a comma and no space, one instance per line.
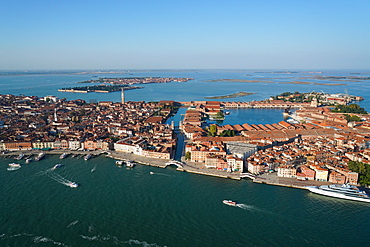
(63,155)
(130,163)
(343,191)
(19,157)
(87,157)
(39,156)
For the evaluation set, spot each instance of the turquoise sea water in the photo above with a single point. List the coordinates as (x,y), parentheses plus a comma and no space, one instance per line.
(120,207)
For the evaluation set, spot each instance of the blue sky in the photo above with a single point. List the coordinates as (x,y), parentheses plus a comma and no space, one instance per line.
(162,34)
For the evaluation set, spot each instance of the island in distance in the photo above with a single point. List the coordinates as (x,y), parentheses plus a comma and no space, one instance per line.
(116,84)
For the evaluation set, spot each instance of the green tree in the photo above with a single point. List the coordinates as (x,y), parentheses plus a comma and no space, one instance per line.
(82,112)
(352,118)
(352,108)
(187,156)
(220,114)
(212,131)
(228,133)
(362,169)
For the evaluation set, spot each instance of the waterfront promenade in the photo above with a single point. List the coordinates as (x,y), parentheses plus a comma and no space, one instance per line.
(191,167)
(273,179)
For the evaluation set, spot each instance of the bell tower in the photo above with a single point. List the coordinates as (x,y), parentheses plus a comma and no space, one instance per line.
(122,96)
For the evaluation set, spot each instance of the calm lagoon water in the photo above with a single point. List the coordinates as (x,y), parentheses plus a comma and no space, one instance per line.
(120,207)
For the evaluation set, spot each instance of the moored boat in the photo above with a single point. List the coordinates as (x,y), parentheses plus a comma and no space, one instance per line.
(20,156)
(63,155)
(343,191)
(130,163)
(229,202)
(119,162)
(28,160)
(39,156)
(87,157)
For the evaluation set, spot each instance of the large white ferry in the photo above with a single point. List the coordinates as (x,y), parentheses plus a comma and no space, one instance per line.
(344,191)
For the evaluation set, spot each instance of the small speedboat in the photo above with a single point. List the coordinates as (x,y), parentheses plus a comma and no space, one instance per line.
(57,166)
(13,167)
(229,202)
(73,185)
(151,172)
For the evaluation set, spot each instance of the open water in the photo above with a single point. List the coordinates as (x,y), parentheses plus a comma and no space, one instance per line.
(119,207)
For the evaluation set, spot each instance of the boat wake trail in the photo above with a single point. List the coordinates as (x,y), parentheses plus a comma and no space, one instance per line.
(113,240)
(72,223)
(92,170)
(247,207)
(59,179)
(160,174)
(45,172)
(32,237)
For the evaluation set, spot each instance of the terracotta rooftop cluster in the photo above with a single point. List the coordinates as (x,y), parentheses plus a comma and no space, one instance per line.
(319,158)
(142,80)
(38,123)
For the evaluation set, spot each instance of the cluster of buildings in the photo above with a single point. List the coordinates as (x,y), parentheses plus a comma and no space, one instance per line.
(140,80)
(270,103)
(310,150)
(322,116)
(321,98)
(50,123)
(314,158)
(318,148)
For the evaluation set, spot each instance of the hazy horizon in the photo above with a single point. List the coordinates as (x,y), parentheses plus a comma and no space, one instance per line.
(172,35)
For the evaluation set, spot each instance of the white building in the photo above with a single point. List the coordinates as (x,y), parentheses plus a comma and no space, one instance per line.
(74,145)
(240,149)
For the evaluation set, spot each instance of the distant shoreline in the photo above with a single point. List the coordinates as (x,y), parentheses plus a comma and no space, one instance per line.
(262,81)
(234,95)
